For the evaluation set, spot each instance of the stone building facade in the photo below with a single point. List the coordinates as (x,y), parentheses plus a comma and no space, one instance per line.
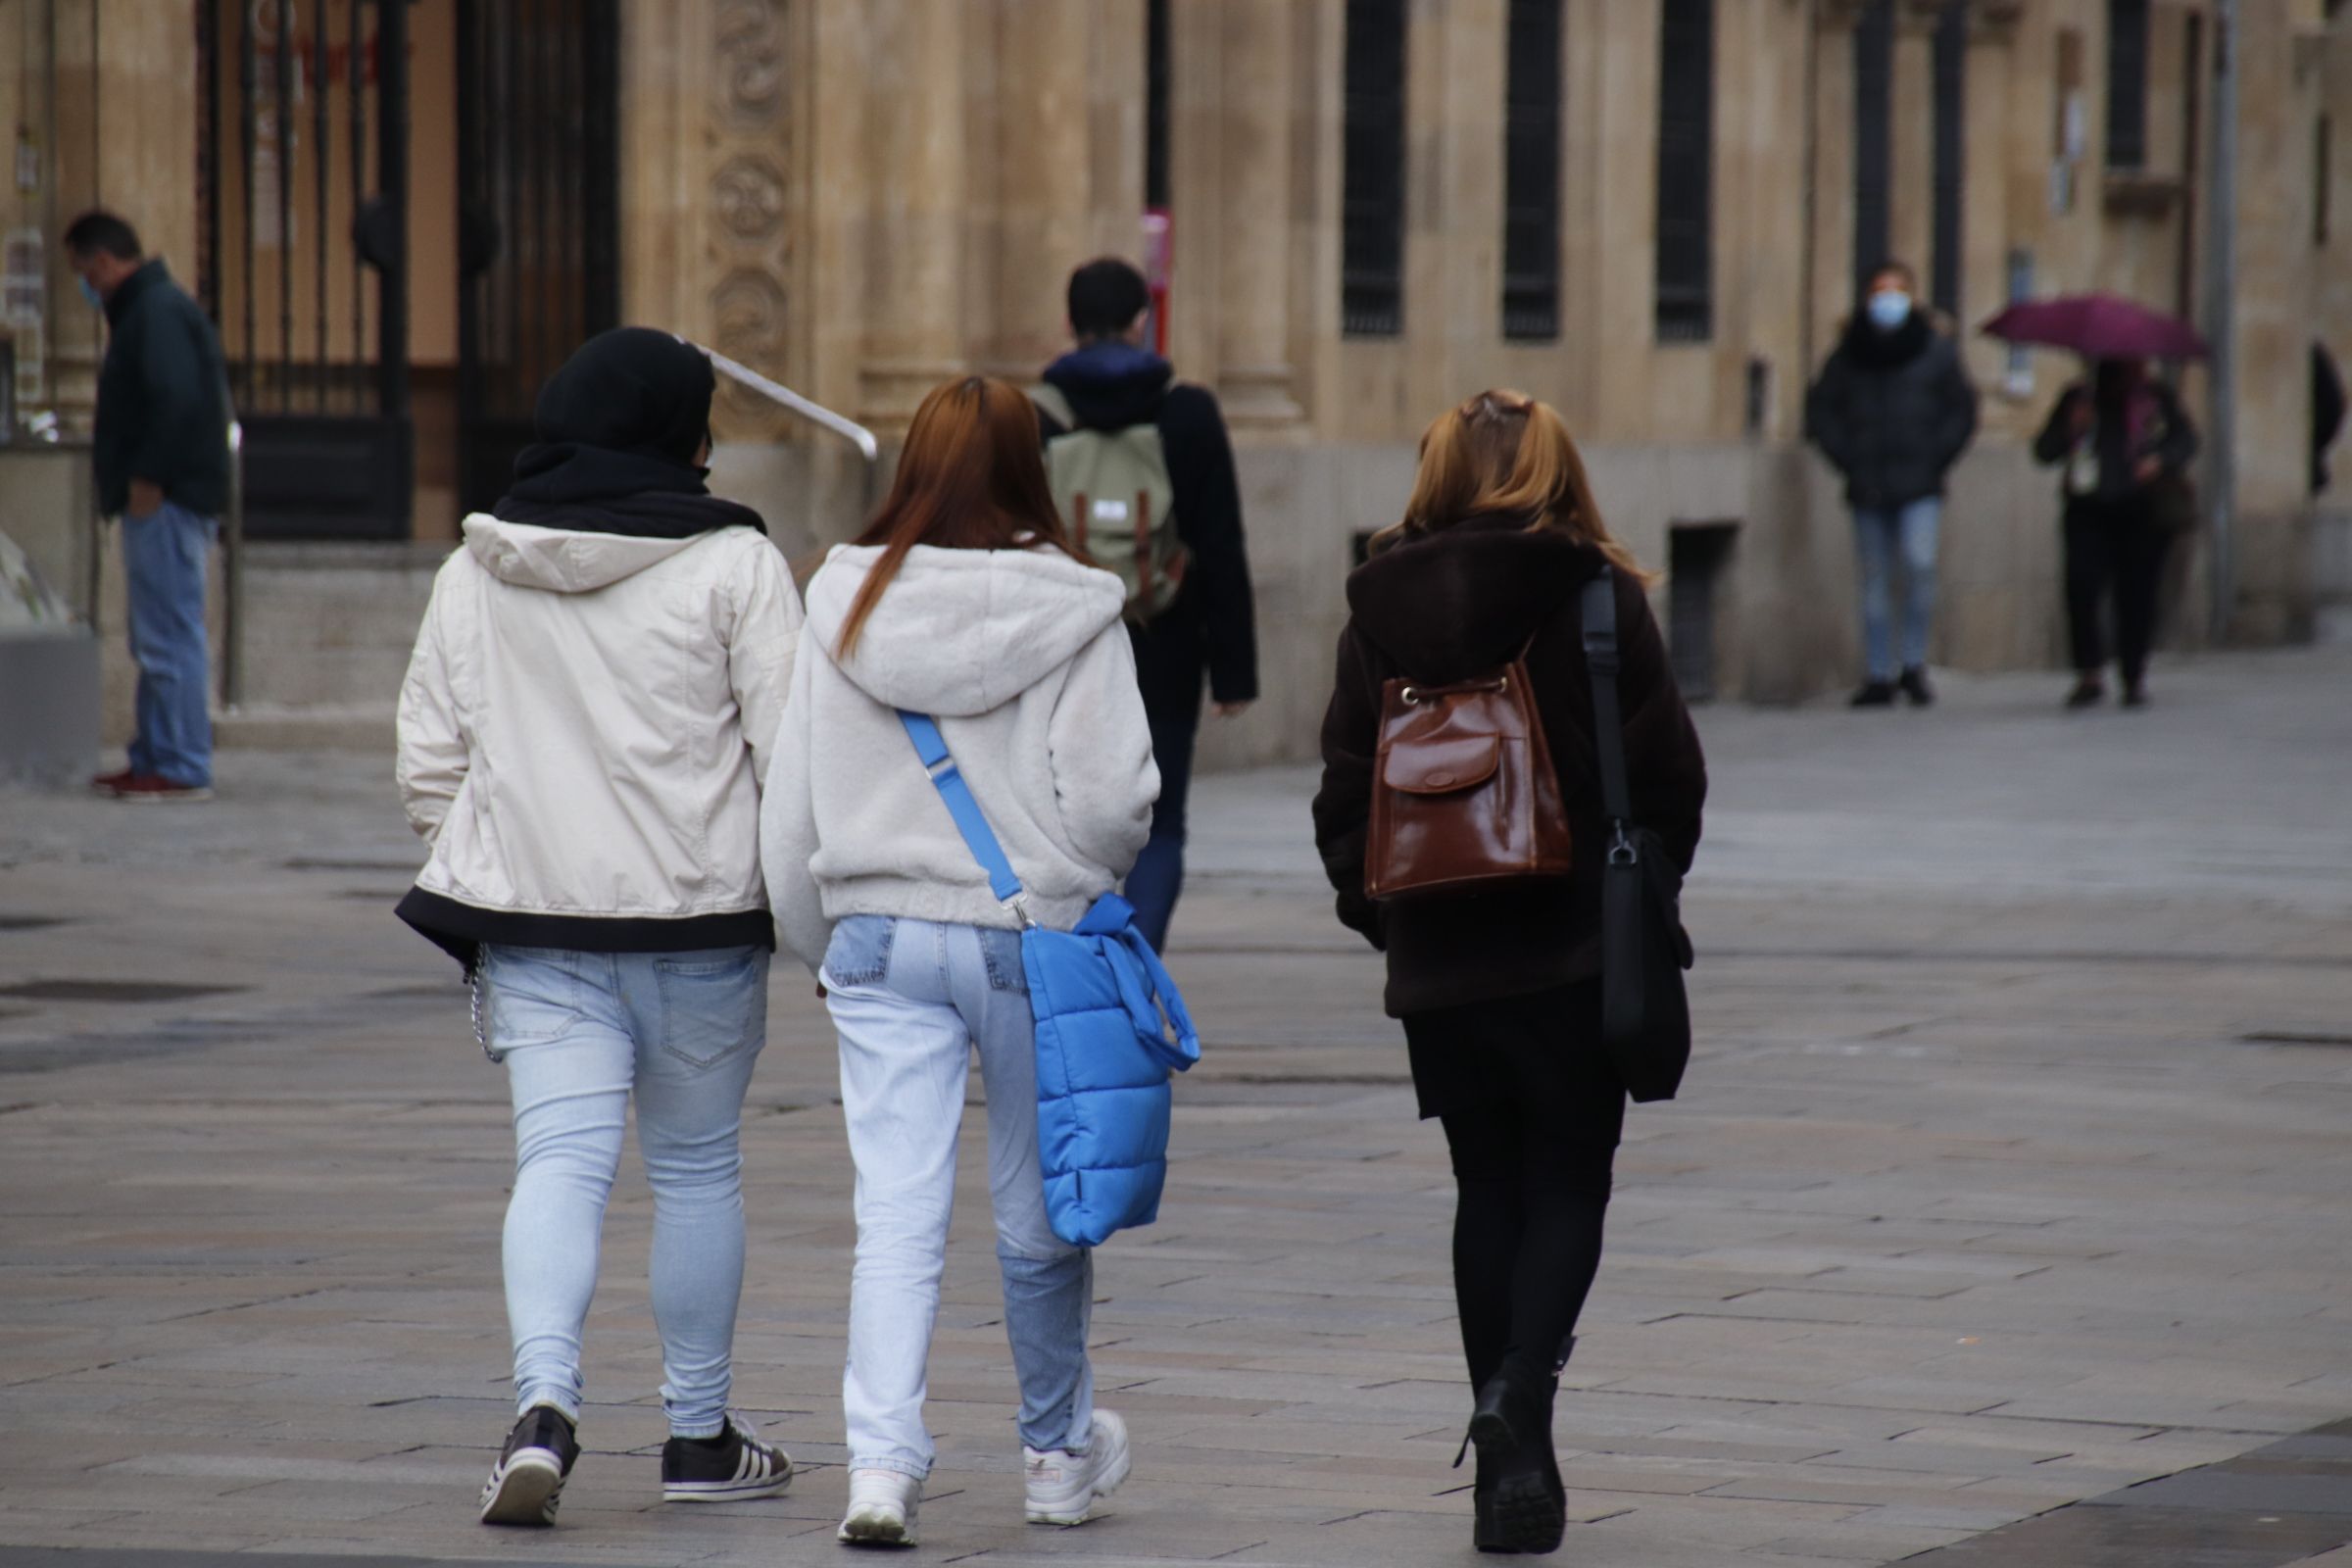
(1649,211)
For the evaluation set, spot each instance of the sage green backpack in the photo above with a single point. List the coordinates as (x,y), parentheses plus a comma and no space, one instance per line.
(1116,499)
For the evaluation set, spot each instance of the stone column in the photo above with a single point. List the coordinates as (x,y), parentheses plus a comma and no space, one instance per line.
(918,306)
(1234,166)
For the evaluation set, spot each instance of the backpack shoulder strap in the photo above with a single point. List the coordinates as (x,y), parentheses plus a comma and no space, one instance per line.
(970,821)
(1051,403)
(1608,719)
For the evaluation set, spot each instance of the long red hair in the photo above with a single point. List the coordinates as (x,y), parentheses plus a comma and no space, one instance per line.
(972,477)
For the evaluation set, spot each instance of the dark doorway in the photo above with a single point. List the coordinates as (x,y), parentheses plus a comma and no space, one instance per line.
(302,155)
(538,216)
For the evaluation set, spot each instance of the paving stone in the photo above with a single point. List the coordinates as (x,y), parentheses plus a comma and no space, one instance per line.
(1976,1204)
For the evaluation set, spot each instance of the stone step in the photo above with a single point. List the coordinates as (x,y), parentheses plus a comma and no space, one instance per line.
(361,726)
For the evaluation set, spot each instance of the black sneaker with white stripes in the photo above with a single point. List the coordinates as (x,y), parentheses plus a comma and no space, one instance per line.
(528,1480)
(728,1468)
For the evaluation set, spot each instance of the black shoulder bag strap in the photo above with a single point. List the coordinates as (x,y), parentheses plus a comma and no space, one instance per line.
(1609,719)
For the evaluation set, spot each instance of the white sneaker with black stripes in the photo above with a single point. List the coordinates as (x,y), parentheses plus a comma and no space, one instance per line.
(731,1467)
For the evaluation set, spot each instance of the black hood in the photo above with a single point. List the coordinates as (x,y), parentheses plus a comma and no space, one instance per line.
(1452,603)
(1112,385)
(618,428)
(1877,350)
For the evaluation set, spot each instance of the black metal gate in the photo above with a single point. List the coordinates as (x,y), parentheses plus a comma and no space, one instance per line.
(538,217)
(304,256)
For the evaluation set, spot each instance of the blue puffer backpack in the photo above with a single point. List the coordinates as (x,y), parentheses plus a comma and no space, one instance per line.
(1104,1050)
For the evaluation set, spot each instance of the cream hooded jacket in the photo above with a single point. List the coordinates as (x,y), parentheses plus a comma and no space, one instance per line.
(1023,659)
(583,734)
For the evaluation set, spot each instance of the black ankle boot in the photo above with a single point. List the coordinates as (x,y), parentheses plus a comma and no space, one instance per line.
(1521,1504)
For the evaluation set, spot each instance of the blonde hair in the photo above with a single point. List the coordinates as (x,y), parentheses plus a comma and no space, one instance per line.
(1504,454)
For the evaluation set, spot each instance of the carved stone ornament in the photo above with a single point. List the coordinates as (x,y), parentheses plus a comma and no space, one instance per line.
(748,310)
(750,62)
(748,192)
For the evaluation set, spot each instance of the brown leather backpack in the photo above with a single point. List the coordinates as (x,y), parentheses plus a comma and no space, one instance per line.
(1463,790)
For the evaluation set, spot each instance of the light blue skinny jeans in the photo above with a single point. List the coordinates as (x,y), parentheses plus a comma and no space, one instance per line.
(580,1032)
(911,1001)
(1882,535)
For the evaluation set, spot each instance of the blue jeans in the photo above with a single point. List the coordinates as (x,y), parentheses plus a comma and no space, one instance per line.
(911,1000)
(578,1033)
(163,569)
(1880,533)
(1157,879)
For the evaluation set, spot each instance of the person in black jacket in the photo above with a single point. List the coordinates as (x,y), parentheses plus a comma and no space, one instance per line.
(1111,382)
(2124,444)
(1498,988)
(1892,411)
(162,460)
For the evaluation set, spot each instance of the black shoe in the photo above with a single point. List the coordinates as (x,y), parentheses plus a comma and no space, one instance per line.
(1875,694)
(1915,686)
(1521,1504)
(2135,694)
(528,1478)
(729,1468)
(2088,692)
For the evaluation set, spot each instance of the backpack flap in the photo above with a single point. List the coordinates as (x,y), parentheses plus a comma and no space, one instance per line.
(1443,766)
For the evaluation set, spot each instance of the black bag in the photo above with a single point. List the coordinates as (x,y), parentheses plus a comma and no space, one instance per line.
(1645,1013)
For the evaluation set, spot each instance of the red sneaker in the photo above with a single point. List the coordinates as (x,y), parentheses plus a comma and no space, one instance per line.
(149,789)
(112,783)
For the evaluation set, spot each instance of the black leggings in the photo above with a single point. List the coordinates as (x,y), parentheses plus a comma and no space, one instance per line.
(2115,549)
(1532,1171)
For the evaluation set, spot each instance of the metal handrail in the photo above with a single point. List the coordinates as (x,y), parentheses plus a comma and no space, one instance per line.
(850,430)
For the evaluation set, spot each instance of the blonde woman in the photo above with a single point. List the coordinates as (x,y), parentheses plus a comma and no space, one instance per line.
(1496,988)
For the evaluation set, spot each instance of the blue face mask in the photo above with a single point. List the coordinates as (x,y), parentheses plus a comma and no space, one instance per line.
(1890,310)
(89,291)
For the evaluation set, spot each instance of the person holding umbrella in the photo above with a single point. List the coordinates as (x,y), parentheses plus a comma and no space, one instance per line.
(2123,445)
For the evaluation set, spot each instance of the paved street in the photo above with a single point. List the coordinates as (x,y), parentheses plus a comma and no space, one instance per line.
(2010,1174)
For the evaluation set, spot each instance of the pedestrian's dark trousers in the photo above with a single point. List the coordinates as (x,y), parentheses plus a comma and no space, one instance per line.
(2113,552)
(1533,1157)
(1169,666)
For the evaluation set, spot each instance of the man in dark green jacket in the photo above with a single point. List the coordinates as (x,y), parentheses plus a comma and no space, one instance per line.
(162,466)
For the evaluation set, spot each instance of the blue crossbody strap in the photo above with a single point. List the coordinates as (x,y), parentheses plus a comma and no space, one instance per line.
(970,821)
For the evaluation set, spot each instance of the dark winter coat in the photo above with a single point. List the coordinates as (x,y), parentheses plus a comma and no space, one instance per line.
(1446,608)
(163,399)
(1113,386)
(2153,424)
(1892,411)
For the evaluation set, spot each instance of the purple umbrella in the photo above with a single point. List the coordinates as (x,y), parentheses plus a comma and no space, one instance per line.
(2099,326)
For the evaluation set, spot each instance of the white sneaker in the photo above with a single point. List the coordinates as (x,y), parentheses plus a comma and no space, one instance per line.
(1065,1487)
(882,1505)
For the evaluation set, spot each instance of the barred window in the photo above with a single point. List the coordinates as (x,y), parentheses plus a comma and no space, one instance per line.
(1873,141)
(1155,107)
(2127,83)
(1372,203)
(1531,173)
(1951,153)
(1685,283)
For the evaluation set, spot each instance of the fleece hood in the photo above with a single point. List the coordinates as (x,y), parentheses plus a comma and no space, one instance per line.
(1459,602)
(563,561)
(961,632)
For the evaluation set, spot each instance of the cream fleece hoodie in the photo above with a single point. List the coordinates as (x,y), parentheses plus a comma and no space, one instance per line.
(1023,659)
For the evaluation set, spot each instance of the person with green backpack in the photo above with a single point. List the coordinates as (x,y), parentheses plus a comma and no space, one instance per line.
(1142,472)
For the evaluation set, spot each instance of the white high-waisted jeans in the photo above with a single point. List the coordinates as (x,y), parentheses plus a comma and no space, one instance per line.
(911,1000)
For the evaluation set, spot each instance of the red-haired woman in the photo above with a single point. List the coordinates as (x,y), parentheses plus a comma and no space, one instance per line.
(962,600)
(1497,990)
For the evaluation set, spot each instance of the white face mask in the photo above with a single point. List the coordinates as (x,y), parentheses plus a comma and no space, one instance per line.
(1890,310)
